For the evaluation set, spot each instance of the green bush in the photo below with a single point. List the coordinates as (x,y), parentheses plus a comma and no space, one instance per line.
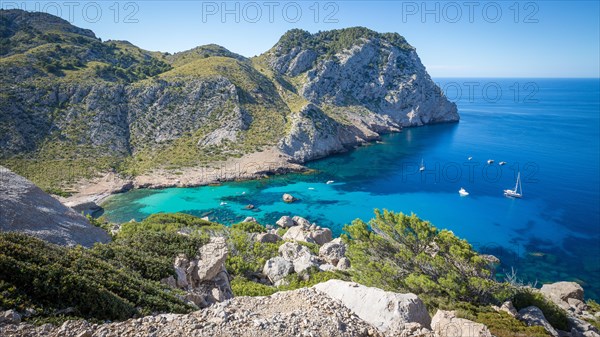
(53,277)
(244,287)
(249,227)
(404,253)
(311,277)
(167,222)
(247,257)
(555,315)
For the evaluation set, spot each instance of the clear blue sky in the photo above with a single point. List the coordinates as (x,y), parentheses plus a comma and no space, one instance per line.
(453,39)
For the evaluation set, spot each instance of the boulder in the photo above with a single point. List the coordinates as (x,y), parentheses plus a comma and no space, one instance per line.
(204,278)
(387,311)
(277,268)
(10,317)
(212,258)
(250,219)
(445,323)
(299,255)
(300,221)
(343,264)
(288,198)
(333,251)
(300,233)
(267,238)
(305,262)
(285,222)
(533,316)
(507,307)
(292,251)
(561,292)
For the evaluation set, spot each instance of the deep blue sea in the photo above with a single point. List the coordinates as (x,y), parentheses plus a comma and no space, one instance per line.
(546,129)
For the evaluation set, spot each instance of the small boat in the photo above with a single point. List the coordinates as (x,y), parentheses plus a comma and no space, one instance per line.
(223,203)
(243,192)
(490,161)
(502,163)
(463,192)
(311,188)
(470,158)
(422,167)
(329,182)
(518,191)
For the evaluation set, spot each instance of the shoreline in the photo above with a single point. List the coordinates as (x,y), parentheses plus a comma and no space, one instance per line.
(93,193)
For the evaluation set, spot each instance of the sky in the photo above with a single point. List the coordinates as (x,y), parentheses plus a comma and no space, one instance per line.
(453,38)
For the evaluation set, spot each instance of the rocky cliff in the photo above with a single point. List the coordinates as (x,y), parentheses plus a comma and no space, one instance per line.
(69,99)
(27,209)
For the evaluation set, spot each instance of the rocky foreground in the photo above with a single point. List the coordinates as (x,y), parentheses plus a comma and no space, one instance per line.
(333,308)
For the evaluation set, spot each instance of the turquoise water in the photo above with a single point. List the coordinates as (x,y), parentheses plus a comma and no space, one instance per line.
(548,131)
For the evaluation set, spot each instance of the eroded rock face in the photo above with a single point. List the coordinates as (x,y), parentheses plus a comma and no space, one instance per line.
(387,311)
(25,208)
(204,277)
(445,323)
(375,85)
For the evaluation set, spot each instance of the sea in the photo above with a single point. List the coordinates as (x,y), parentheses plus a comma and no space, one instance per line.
(545,130)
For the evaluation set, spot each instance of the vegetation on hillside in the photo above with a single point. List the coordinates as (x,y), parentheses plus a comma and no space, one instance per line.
(120,279)
(330,42)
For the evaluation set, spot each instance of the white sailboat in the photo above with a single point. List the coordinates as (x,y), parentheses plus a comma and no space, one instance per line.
(463,192)
(518,191)
(422,167)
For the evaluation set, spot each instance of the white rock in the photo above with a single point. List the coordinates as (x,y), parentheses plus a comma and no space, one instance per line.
(277,268)
(387,311)
(285,222)
(533,316)
(333,251)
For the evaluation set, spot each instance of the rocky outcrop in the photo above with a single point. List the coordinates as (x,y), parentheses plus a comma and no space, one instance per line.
(388,312)
(25,208)
(204,277)
(376,84)
(300,256)
(333,251)
(10,317)
(311,234)
(446,324)
(567,295)
(533,316)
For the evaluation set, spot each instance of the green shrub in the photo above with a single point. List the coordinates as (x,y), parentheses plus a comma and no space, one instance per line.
(502,324)
(244,287)
(555,315)
(311,277)
(167,222)
(401,253)
(54,277)
(249,227)
(247,257)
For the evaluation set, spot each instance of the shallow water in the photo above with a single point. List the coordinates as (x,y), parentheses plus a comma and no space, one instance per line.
(550,135)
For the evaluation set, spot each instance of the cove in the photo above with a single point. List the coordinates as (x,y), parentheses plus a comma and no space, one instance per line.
(552,234)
